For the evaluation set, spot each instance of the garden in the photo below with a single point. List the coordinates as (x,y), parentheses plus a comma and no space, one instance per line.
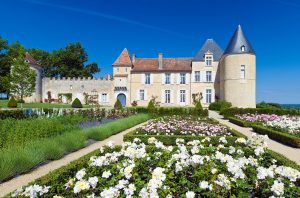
(175,156)
(37,136)
(279,124)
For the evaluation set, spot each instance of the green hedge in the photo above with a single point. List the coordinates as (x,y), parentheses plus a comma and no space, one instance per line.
(219,105)
(171,139)
(240,122)
(16,161)
(15,114)
(230,112)
(282,137)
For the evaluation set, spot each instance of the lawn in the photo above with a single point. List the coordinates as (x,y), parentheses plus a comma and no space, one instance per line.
(3,104)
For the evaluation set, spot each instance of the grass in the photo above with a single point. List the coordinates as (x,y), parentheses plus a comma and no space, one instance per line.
(3,104)
(17,161)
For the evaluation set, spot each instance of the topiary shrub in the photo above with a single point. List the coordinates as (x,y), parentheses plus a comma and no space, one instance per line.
(12,103)
(151,106)
(198,108)
(219,105)
(76,103)
(118,105)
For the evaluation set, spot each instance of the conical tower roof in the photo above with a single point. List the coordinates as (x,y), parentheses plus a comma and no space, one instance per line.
(123,59)
(239,43)
(209,46)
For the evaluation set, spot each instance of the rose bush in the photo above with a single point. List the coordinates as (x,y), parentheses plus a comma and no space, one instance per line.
(186,170)
(187,125)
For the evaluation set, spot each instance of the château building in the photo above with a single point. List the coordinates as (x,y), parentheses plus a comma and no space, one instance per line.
(218,75)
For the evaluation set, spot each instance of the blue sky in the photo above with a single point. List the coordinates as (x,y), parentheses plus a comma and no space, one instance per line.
(175,28)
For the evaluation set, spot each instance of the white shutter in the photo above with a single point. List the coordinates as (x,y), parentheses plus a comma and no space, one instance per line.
(213,95)
(187,80)
(162,97)
(213,76)
(137,95)
(171,96)
(193,78)
(143,78)
(107,98)
(163,77)
(187,97)
(146,95)
(178,96)
(178,78)
(171,79)
(151,79)
(204,96)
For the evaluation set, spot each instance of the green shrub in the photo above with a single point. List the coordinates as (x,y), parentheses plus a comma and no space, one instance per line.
(282,137)
(219,105)
(231,112)
(151,106)
(15,114)
(268,105)
(76,103)
(12,103)
(118,105)
(240,122)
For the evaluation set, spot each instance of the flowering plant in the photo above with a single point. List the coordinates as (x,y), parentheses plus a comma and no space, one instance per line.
(188,125)
(185,170)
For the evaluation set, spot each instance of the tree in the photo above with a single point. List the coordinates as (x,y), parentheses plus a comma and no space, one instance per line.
(22,78)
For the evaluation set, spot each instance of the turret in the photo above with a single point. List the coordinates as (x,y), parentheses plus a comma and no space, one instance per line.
(238,72)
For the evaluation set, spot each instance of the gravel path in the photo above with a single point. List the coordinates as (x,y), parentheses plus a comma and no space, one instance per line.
(40,171)
(289,152)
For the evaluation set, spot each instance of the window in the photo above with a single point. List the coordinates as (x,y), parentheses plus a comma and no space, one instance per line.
(117,69)
(243,48)
(104,97)
(182,78)
(142,94)
(182,95)
(82,86)
(197,76)
(208,96)
(208,60)
(147,79)
(167,96)
(208,76)
(126,69)
(243,71)
(167,78)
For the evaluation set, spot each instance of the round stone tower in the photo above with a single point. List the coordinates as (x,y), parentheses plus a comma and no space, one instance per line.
(238,72)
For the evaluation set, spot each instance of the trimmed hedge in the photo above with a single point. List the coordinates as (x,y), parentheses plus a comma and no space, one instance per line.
(282,137)
(164,111)
(15,114)
(12,103)
(171,139)
(76,103)
(240,122)
(230,112)
(219,105)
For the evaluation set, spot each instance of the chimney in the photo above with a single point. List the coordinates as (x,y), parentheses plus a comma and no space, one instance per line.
(160,61)
(133,58)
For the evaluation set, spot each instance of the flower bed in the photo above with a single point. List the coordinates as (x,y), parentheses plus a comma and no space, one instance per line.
(167,129)
(178,125)
(246,169)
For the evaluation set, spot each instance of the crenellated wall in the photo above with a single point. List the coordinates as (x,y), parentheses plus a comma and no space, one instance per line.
(77,87)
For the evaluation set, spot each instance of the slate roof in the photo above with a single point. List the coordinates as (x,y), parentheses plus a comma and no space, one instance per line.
(211,46)
(237,41)
(169,64)
(123,59)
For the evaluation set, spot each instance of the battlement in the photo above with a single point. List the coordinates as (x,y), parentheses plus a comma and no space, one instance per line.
(106,78)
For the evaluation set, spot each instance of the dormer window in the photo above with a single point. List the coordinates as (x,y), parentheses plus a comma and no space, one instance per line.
(208,60)
(243,48)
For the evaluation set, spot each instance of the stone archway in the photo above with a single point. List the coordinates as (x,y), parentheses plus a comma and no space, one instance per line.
(122,98)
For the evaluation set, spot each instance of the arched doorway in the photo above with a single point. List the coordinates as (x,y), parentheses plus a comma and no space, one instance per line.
(122,99)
